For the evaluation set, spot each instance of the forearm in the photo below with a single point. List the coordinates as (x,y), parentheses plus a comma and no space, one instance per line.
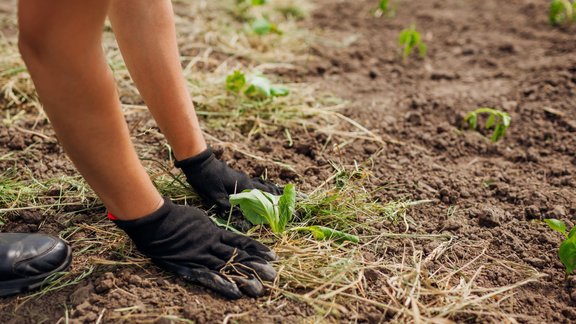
(148,44)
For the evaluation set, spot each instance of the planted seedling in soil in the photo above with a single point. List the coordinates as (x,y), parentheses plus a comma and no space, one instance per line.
(567,250)
(385,9)
(254,87)
(497,119)
(260,208)
(262,26)
(561,12)
(409,40)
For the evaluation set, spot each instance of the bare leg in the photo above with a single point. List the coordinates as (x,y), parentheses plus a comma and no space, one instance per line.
(60,41)
(146,34)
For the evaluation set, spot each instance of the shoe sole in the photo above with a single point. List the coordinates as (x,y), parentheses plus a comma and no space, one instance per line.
(19,286)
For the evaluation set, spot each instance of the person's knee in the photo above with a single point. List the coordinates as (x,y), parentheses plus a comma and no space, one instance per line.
(50,47)
(27,49)
(34,48)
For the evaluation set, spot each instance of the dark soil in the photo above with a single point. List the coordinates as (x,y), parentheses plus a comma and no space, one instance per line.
(500,54)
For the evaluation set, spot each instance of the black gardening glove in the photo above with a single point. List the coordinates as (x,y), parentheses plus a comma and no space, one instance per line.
(214,180)
(184,240)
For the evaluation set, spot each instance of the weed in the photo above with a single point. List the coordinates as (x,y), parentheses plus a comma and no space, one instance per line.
(409,40)
(567,249)
(561,12)
(497,119)
(325,233)
(61,280)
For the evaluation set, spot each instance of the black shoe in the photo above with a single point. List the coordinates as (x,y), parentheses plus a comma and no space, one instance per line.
(26,260)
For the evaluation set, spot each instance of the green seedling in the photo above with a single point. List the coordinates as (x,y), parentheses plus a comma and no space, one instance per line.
(497,119)
(254,87)
(260,207)
(567,250)
(385,9)
(409,40)
(262,26)
(259,2)
(324,233)
(561,11)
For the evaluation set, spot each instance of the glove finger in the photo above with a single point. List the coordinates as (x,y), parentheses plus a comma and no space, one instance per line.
(215,282)
(204,277)
(266,185)
(250,264)
(249,245)
(264,270)
(250,286)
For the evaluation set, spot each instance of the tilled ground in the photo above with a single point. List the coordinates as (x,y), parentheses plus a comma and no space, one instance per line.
(481,54)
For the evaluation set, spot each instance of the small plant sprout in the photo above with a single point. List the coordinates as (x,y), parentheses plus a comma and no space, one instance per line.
(409,40)
(561,12)
(497,119)
(255,86)
(260,207)
(567,250)
(385,9)
(263,26)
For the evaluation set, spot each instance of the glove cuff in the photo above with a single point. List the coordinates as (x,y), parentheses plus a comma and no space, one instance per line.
(196,160)
(154,217)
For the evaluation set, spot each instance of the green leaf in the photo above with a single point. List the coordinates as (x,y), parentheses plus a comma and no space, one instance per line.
(384,5)
(556,225)
(256,207)
(472,120)
(490,122)
(223,223)
(572,232)
(262,26)
(260,87)
(567,254)
(325,233)
(287,205)
(560,11)
(235,81)
(279,91)
(259,2)
(404,35)
(506,119)
(496,133)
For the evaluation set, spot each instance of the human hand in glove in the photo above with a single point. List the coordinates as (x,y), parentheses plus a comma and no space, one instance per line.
(214,180)
(184,240)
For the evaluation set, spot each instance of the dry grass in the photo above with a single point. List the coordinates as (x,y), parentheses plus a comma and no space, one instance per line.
(387,277)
